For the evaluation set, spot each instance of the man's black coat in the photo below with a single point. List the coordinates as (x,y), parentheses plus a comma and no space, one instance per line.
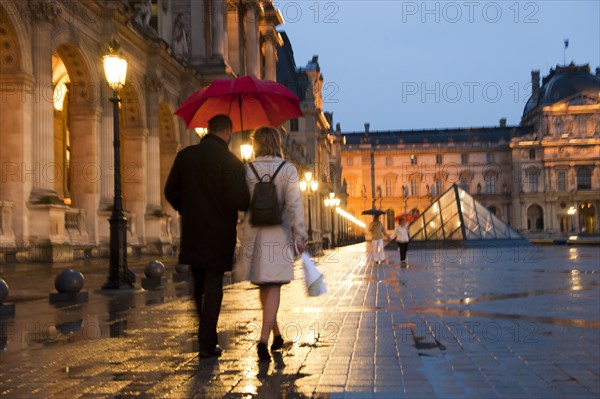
(207,187)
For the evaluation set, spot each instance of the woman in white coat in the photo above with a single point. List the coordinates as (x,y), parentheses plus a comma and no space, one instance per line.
(267,252)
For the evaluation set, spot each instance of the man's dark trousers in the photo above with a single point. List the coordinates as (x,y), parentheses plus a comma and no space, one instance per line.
(208,295)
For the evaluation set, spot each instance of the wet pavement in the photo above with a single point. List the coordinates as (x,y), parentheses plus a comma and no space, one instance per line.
(457,323)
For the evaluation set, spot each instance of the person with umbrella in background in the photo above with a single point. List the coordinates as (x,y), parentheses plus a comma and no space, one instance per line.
(206,185)
(378,233)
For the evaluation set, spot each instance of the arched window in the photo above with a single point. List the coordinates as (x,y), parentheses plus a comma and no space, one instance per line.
(414,187)
(584,178)
(438,186)
(389,186)
(351,187)
(490,183)
(464,183)
(535,218)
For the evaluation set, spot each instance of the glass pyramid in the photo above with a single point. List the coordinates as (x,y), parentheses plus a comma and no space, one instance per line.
(456,216)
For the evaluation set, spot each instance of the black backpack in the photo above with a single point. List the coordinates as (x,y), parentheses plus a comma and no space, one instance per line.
(264,206)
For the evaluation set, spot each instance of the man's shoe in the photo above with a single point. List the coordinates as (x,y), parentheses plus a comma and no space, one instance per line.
(215,352)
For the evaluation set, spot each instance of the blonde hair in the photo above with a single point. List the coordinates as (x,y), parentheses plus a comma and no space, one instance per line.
(266,141)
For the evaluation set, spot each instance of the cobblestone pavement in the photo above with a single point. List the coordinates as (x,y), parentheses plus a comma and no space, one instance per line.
(484,323)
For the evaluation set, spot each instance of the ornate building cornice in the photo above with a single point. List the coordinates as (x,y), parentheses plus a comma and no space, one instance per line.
(152,83)
(251,5)
(233,5)
(44,11)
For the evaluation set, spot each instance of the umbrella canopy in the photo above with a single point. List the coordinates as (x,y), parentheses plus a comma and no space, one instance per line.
(248,102)
(409,216)
(372,212)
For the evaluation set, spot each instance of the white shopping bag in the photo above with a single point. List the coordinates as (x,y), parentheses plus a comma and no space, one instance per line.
(313,278)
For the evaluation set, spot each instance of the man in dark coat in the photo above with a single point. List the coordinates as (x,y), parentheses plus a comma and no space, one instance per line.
(207,187)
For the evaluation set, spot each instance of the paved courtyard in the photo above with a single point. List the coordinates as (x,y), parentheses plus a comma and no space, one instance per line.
(469,323)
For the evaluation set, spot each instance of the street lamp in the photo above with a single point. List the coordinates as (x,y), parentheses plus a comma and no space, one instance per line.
(332,203)
(246,149)
(309,186)
(571,212)
(119,275)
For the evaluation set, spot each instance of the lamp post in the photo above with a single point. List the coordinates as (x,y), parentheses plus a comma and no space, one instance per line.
(309,186)
(332,203)
(119,275)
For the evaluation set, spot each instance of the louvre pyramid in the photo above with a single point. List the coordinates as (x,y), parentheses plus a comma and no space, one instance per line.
(456,216)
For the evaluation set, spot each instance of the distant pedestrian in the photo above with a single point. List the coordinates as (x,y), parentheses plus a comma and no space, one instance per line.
(378,233)
(401,235)
(207,187)
(267,252)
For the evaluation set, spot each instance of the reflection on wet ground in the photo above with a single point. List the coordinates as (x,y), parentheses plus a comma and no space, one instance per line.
(485,324)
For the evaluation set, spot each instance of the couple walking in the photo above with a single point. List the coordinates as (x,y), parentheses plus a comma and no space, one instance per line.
(208,185)
(377,234)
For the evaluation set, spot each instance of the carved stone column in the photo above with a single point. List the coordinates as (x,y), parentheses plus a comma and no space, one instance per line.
(218,30)
(251,33)
(235,53)
(198,37)
(85,172)
(270,54)
(153,166)
(43,14)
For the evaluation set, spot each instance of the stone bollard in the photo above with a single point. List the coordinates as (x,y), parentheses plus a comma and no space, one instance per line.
(154,272)
(182,273)
(68,283)
(7,310)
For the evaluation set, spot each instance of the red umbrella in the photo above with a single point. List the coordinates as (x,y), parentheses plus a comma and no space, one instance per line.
(248,102)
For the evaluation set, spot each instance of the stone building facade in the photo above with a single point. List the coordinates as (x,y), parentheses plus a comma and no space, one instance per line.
(542,177)
(317,145)
(557,166)
(56,120)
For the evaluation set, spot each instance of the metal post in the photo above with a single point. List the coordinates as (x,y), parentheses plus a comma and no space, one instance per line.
(119,275)
(333,240)
(309,219)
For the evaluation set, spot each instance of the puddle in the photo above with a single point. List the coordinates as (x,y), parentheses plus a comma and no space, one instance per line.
(492,315)
(515,295)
